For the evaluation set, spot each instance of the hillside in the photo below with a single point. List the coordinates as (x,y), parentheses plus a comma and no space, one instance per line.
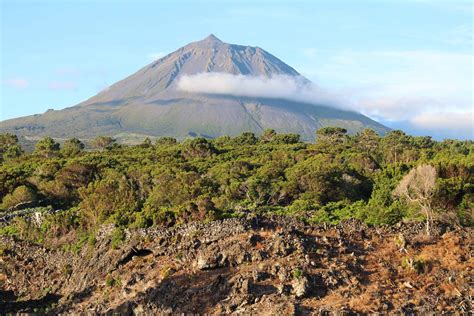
(258,265)
(149,102)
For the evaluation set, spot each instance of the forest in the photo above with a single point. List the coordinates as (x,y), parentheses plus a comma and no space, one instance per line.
(380,180)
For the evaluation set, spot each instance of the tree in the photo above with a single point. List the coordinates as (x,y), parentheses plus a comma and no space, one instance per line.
(367,141)
(331,140)
(9,147)
(7,140)
(394,144)
(114,196)
(331,134)
(103,142)
(246,138)
(267,135)
(46,147)
(418,186)
(324,180)
(146,143)
(198,147)
(72,147)
(166,141)
(286,139)
(13,152)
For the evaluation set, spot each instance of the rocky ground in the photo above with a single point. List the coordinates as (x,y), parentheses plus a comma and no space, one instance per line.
(258,265)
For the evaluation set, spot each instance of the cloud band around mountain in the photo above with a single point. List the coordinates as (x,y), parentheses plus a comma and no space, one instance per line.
(277,87)
(415,110)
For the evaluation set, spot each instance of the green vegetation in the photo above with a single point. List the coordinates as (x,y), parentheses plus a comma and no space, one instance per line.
(118,236)
(72,147)
(21,195)
(111,281)
(417,265)
(46,147)
(297,273)
(376,179)
(103,142)
(9,147)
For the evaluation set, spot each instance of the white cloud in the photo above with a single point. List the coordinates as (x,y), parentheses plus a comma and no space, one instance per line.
(393,108)
(279,87)
(157,55)
(17,83)
(62,85)
(398,86)
(455,122)
(402,72)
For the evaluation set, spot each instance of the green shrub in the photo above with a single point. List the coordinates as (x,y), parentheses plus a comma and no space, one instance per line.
(118,236)
(112,282)
(415,264)
(20,195)
(297,273)
(9,230)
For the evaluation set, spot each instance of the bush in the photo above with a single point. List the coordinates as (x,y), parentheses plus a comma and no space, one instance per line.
(112,282)
(103,142)
(198,148)
(417,265)
(21,195)
(301,206)
(335,212)
(9,231)
(83,238)
(297,273)
(113,197)
(166,141)
(118,236)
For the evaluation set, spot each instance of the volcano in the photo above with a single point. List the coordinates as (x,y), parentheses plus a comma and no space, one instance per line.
(150,102)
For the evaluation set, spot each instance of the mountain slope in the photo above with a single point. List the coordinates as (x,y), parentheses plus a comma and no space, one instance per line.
(149,103)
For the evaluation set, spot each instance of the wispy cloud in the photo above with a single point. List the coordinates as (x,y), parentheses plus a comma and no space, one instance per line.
(461,123)
(16,83)
(62,85)
(402,72)
(279,87)
(400,85)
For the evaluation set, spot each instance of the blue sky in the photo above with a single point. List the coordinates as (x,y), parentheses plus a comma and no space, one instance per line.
(408,64)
